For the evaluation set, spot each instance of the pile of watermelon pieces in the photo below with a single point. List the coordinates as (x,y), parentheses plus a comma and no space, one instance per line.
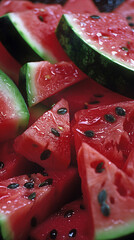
(66,142)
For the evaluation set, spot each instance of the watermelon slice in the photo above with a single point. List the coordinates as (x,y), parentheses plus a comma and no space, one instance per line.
(40,80)
(69,222)
(47,141)
(14,115)
(109,129)
(27,43)
(25,201)
(109,192)
(102,46)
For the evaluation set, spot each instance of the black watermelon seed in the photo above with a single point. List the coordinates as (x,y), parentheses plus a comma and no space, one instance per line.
(109,118)
(72,233)
(13,185)
(129,18)
(95,16)
(102,196)
(94,102)
(41,18)
(131,24)
(43,173)
(53,234)
(62,111)
(47,182)
(120,111)
(45,155)
(124,49)
(55,132)
(100,168)
(105,209)
(68,213)
(82,207)
(34,222)
(29,185)
(89,133)
(1,165)
(32,196)
(99,95)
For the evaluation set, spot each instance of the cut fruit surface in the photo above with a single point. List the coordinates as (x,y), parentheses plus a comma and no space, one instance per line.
(47,141)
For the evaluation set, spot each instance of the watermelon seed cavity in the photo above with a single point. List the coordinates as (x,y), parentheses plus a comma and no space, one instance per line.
(33,222)
(100,167)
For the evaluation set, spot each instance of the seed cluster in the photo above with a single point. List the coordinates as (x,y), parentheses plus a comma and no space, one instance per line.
(104,207)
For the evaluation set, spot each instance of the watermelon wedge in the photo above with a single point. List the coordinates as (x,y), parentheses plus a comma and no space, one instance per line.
(27,43)
(40,80)
(69,222)
(102,46)
(109,192)
(14,115)
(47,141)
(25,201)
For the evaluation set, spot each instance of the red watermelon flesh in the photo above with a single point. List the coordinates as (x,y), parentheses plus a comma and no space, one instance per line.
(80,6)
(47,141)
(109,129)
(70,220)
(25,201)
(85,94)
(109,192)
(43,79)
(13,164)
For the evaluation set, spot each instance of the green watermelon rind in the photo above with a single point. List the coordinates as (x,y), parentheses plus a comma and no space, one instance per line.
(116,232)
(26,85)
(20,42)
(5,230)
(106,70)
(10,90)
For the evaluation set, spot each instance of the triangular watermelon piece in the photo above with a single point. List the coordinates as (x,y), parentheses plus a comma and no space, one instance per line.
(109,192)
(40,80)
(47,141)
(27,200)
(109,129)
(69,222)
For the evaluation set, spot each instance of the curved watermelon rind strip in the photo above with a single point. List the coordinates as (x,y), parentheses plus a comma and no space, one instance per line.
(100,66)
(20,43)
(5,230)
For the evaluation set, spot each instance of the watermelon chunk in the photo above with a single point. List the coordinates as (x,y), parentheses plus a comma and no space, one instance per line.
(69,222)
(25,201)
(14,115)
(109,129)
(47,141)
(40,80)
(109,192)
